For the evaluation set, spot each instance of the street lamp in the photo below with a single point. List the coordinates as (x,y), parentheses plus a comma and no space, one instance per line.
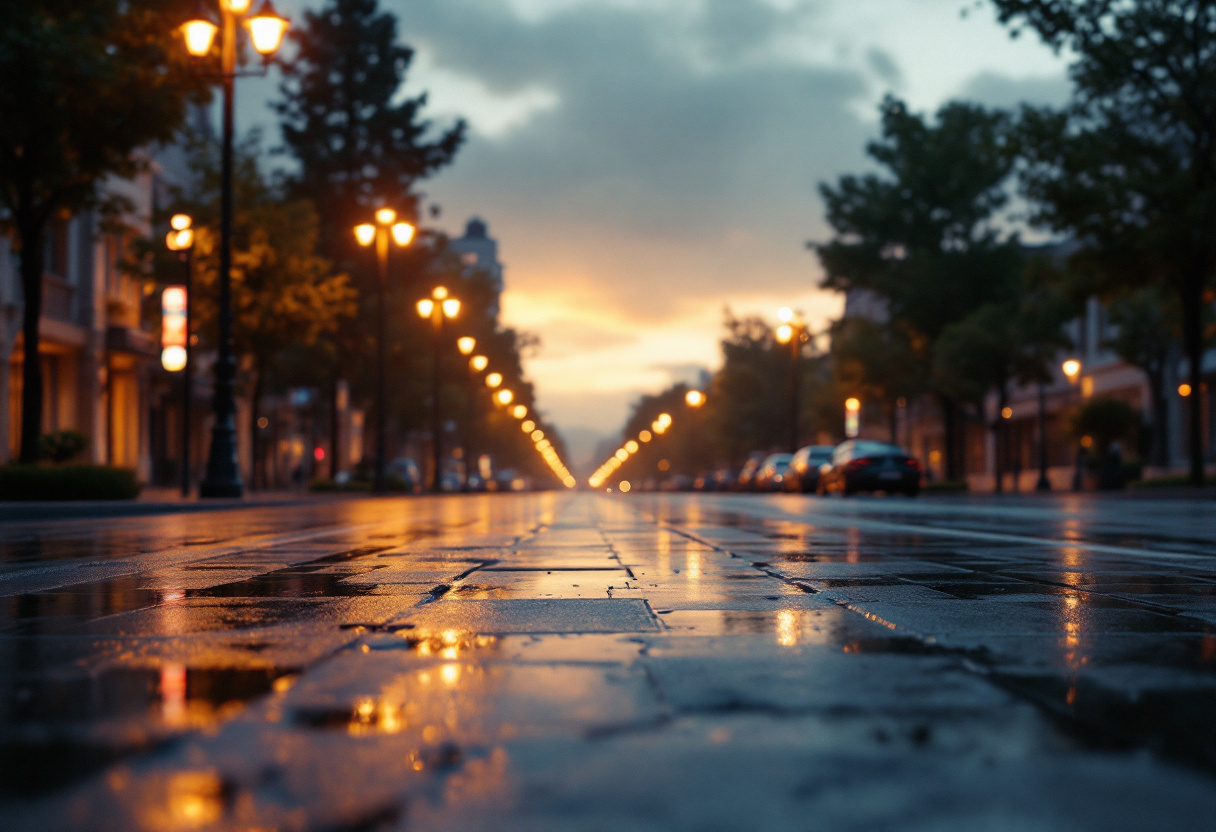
(852,417)
(792,332)
(437,307)
(181,240)
(379,232)
(466,345)
(694,398)
(266,30)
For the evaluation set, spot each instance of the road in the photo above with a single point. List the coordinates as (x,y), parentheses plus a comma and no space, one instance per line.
(613,662)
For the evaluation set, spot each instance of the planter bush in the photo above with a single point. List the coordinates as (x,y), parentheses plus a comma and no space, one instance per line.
(944,486)
(67,482)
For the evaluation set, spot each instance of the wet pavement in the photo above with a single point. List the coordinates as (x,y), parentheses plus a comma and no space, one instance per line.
(587,662)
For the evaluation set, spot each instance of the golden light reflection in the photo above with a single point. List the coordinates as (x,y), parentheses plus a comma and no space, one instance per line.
(193,799)
(173,693)
(450,673)
(788,628)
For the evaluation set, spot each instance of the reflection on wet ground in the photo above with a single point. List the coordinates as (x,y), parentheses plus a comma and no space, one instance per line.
(666,662)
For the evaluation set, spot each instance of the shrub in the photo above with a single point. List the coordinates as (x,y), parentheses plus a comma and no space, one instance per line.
(67,482)
(1105,421)
(1172,481)
(62,445)
(945,486)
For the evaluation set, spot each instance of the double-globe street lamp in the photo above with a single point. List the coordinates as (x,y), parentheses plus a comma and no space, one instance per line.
(438,307)
(380,232)
(266,29)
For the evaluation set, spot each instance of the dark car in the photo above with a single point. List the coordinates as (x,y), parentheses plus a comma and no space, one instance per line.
(864,465)
(771,476)
(744,482)
(803,473)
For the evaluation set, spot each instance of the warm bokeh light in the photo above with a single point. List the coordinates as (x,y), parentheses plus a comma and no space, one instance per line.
(1071,368)
(1006,412)
(180,240)
(493,379)
(631,446)
(426,307)
(466,345)
(504,397)
(180,222)
(173,359)
(479,363)
(852,404)
(622,454)
(528,426)
(785,334)
(439,292)
(365,234)
(664,419)
(403,233)
(519,411)
(266,29)
(1184,389)
(645,436)
(386,216)
(785,314)
(694,398)
(538,435)
(451,308)
(199,35)
(237,6)
(624,486)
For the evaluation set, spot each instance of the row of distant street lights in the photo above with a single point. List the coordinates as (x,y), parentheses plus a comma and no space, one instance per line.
(661,424)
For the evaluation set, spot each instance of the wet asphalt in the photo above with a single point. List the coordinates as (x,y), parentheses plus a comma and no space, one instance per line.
(619,662)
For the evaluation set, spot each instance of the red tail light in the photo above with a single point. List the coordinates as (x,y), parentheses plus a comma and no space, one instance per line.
(857,464)
(914,464)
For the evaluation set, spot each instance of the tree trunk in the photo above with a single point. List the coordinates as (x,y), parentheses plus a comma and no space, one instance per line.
(257,478)
(1192,340)
(32,235)
(335,431)
(1159,438)
(950,427)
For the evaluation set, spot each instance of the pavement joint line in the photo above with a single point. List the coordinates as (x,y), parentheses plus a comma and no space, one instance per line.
(179,554)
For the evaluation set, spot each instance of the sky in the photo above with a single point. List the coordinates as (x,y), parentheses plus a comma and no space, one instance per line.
(647,164)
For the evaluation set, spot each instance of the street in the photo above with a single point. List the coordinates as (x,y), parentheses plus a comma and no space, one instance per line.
(583,661)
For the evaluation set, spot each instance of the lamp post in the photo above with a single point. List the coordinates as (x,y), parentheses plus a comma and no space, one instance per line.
(465,346)
(1072,369)
(181,240)
(379,232)
(437,307)
(266,30)
(792,331)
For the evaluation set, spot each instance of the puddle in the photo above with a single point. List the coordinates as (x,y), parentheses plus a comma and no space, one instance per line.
(287,583)
(55,728)
(35,612)
(1180,724)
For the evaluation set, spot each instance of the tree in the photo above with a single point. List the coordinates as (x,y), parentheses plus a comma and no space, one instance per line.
(358,144)
(1129,167)
(285,295)
(875,363)
(1146,336)
(84,85)
(924,237)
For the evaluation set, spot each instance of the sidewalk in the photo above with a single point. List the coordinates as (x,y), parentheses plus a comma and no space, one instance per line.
(580,662)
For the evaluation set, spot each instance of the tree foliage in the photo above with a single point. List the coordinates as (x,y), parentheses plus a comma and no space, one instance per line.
(84,85)
(923,236)
(1129,167)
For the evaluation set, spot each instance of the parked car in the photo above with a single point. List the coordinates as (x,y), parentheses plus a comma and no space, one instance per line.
(771,476)
(803,474)
(403,475)
(864,465)
(747,473)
